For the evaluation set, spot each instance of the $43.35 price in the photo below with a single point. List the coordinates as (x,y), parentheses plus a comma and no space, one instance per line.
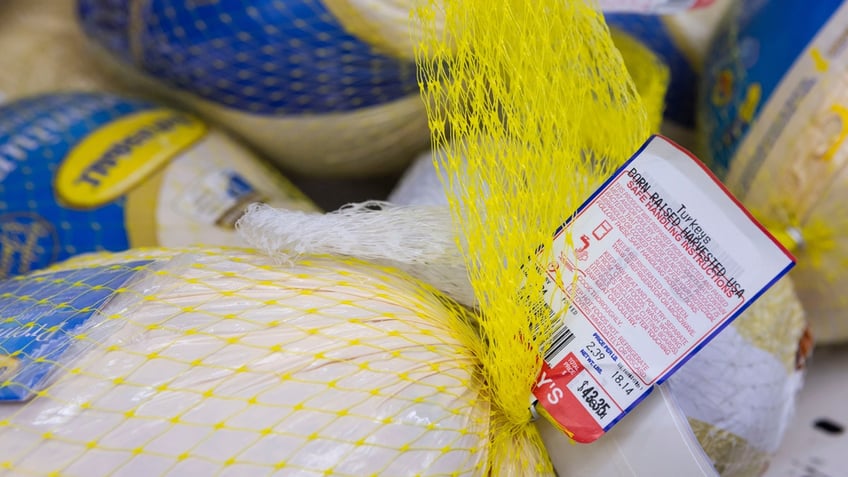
(592,398)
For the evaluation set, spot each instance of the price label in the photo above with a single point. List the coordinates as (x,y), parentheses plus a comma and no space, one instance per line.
(664,258)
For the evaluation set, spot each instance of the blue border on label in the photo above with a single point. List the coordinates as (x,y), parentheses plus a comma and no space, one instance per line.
(728,320)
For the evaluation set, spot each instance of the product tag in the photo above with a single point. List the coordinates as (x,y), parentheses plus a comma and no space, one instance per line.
(219,198)
(664,258)
(41,316)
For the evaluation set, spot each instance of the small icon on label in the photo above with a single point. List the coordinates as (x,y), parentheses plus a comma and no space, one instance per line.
(602,230)
(583,251)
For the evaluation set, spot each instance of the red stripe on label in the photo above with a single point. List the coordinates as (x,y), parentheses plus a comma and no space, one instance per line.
(563,407)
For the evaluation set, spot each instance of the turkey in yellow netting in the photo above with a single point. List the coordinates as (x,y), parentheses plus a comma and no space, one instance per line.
(223,362)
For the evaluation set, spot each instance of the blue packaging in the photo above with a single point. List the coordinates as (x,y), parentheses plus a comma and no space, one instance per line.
(42,316)
(264,57)
(44,219)
(35,135)
(756,45)
(83,172)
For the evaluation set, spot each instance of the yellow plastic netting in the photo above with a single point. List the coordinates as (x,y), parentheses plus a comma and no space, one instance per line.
(527,99)
(420,183)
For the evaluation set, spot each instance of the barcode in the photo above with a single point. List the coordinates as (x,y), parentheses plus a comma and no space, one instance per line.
(562,337)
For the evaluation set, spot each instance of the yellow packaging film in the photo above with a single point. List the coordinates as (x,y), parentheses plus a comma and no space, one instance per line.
(91,171)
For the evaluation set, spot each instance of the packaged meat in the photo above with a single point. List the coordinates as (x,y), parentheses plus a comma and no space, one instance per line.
(86,171)
(772,122)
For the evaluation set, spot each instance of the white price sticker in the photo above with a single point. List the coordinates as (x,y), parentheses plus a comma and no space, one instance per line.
(664,258)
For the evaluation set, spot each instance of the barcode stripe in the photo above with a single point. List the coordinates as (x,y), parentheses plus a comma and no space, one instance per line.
(561,339)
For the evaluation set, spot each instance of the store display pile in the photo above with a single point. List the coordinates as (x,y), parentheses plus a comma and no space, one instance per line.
(173,304)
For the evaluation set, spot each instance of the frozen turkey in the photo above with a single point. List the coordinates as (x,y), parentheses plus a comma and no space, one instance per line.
(227,363)
(738,392)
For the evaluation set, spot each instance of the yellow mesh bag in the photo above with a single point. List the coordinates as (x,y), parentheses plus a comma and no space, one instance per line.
(758,353)
(516,100)
(531,103)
